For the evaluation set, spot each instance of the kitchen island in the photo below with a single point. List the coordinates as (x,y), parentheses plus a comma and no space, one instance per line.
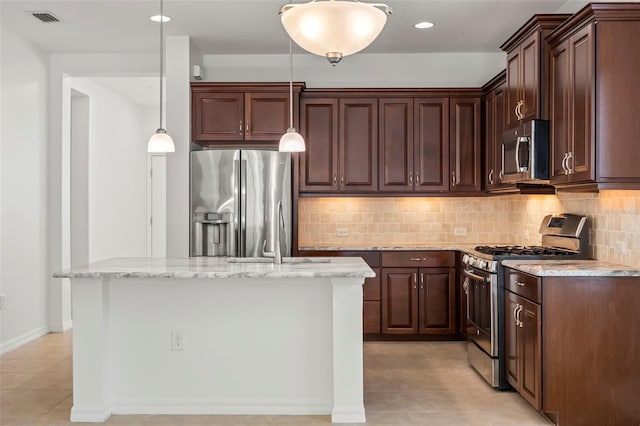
(218,336)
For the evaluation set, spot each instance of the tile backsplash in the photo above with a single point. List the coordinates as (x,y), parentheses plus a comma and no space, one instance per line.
(614,221)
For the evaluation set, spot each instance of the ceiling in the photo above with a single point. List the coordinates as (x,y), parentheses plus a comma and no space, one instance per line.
(253,26)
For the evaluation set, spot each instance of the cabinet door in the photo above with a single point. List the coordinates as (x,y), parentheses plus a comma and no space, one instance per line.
(437,301)
(530,76)
(513,88)
(558,110)
(358,145)
(530,354)
(431,145)
(319,163)
(465,144)
(490,174)
(581,66)
(217,116)
(266,116)
(512,346)
(399,301)
(396,145)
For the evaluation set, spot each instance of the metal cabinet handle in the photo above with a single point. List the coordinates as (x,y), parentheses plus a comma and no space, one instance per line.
(240,126)
(569,157)
(516,314)
(520,284)
(410,179)
(519,113)
(247,127)
(453,178)
(342,179)
(490,177)
(564,163)
(415,280)
(520,323)
(501,175)
(417,179)
(421,280)
(335,178)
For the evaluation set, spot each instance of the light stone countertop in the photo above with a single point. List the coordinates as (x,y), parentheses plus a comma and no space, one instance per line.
(466,247)
(572,268)
(220,267)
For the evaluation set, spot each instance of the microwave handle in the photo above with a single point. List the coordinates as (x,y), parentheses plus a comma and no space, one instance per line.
(518,155)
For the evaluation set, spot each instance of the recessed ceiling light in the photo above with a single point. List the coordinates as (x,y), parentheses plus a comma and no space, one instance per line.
(158,18)
(424,24)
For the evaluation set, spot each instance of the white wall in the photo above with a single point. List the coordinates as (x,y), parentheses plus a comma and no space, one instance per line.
(361,70)
(117,174)
(23,243)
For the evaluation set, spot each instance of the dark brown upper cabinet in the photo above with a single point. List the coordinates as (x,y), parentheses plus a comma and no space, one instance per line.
(594,61)
(527,70)
(465,149)
(414,144)
(494,126)
(342,145)
(252,113)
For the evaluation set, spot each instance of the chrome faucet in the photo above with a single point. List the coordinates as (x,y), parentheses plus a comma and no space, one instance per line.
(277,253)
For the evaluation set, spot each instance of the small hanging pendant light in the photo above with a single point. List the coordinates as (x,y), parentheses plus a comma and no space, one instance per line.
(161,141)
(291,141)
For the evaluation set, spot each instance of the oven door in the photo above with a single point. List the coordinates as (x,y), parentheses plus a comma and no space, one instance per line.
(482,309)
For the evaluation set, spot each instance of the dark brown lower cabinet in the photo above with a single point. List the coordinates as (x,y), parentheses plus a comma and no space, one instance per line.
(371,323)
(418,301)
(522,342)
(573,347)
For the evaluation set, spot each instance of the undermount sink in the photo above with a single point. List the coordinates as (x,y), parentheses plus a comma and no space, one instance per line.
(284,260)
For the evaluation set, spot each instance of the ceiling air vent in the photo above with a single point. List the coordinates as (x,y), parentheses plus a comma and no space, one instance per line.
(45,16)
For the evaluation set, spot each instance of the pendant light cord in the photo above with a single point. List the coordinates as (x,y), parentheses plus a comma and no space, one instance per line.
(161,57)
(290,84)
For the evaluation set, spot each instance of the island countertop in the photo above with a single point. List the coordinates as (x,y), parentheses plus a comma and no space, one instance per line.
(572,268)
(221,267)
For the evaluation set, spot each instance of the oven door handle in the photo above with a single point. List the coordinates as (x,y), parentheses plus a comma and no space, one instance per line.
(475,276)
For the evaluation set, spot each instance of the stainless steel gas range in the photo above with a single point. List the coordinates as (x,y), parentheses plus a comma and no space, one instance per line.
(563,236)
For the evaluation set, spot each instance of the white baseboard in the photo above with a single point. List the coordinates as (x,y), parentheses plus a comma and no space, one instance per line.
(204,407)
(348,415)
(67,325)
(89,414)
(23,339)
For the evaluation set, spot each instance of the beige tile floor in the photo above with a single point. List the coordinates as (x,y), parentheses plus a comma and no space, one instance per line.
(415,383)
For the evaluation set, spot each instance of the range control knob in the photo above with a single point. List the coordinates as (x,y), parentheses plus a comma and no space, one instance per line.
(482,264)
(465,259)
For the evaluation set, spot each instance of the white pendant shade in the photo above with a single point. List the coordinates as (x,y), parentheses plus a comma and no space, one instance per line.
(333,28)
(160,141)
(291,141)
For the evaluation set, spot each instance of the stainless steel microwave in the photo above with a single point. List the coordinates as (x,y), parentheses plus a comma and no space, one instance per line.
(525,153)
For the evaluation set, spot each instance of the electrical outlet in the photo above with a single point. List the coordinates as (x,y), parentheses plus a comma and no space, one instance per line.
(342,232)
(459,232)
(177,340)
(2,301)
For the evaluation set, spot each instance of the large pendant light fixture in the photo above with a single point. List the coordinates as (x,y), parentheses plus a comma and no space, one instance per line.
(161,141)
(334,28)
(291,141)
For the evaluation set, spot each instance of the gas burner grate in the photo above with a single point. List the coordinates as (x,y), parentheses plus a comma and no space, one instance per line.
(523,251)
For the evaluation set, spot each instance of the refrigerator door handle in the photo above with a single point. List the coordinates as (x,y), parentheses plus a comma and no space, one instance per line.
(243,208)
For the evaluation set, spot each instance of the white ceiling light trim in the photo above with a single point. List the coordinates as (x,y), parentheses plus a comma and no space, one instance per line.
(160,18)
(424,25)
(334,28)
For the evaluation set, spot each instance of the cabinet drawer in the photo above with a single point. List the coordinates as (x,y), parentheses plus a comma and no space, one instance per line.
(418,259)
(523,284)
(371,287)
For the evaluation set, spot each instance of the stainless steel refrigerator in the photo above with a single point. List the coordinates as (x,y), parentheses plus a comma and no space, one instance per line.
(234,199)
